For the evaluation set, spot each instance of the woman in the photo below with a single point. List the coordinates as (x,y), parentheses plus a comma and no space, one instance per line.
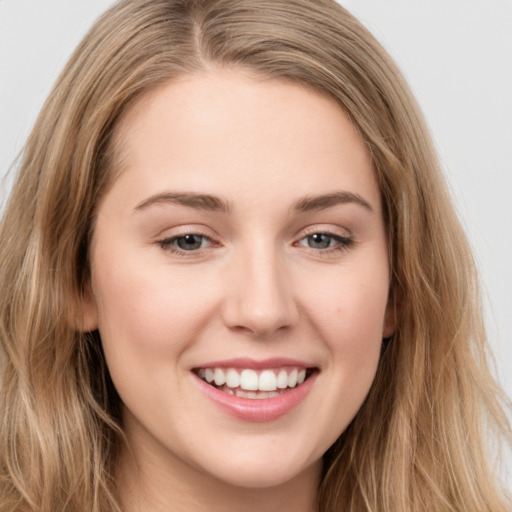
(233,278)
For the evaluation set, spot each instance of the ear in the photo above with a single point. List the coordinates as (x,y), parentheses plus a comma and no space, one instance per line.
(86,317)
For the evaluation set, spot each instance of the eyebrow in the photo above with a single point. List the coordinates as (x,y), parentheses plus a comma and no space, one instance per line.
(216,204)
(324,201)
(193,200)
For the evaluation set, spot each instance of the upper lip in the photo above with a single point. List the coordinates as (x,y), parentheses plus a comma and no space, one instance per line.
(256,364)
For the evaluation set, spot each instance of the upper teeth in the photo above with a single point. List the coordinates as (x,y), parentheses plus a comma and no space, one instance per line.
(251,380)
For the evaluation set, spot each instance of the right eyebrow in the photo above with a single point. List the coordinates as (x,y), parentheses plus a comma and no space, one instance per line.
(191,199)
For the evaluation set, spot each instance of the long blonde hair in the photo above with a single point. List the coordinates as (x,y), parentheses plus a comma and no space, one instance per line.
(419,442)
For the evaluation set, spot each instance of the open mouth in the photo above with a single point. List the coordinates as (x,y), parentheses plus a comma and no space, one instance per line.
(255,384)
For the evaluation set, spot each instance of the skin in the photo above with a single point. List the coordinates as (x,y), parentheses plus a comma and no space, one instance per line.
(256,287)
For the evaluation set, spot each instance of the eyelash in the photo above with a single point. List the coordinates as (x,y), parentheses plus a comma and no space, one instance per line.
(342,243)
(169,244)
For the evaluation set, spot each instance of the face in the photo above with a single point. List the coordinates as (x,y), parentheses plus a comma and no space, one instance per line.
(239,277)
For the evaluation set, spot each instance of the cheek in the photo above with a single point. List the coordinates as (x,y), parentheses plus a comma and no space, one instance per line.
(350,306)
(348,316)
(148,315)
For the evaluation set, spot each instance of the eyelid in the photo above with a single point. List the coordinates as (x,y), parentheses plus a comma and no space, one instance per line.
(165,241)
(185,229)
(345,241)
(330,230)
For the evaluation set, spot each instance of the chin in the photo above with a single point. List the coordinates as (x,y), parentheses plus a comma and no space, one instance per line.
(267,472)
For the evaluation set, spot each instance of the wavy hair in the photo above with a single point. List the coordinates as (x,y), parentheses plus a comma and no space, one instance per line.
(420,441)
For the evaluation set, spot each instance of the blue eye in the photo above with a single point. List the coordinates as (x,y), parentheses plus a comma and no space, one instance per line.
(323,241)
(319,241)
(190,242)
(187,243)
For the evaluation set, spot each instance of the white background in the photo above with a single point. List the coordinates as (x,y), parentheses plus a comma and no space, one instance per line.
(456,54)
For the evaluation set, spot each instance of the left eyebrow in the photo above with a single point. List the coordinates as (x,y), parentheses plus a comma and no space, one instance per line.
(324,201)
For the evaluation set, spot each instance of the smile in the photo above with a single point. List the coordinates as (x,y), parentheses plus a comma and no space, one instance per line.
(252,383)
(256,391)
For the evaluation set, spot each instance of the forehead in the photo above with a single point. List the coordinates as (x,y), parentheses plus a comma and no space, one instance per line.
(219,128)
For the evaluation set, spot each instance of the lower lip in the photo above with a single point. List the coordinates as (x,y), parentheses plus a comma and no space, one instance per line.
(258,409)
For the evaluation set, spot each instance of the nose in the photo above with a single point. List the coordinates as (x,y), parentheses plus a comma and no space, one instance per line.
(260,296)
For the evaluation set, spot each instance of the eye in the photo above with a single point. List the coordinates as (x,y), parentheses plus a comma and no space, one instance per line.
(325,241)
(186,243)
(319,241)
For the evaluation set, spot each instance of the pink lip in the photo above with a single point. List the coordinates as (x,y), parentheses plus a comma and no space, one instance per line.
(243,362)
(257,410)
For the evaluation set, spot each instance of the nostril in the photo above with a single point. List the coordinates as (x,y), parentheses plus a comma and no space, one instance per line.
(260,300)
(261,323)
